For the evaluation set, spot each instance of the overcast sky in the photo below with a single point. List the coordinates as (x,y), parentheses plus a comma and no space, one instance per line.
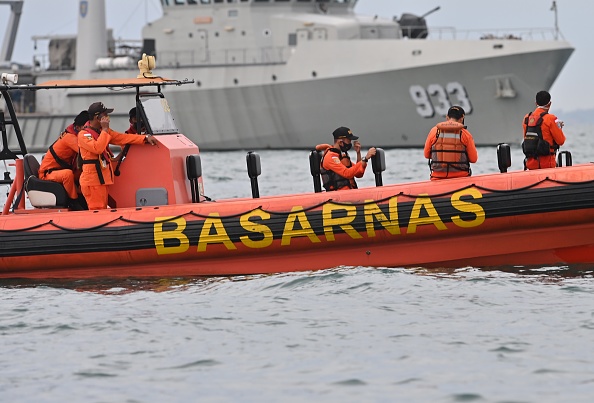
(573,89)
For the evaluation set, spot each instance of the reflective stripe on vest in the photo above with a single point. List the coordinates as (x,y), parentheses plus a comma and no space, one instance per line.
(448,154)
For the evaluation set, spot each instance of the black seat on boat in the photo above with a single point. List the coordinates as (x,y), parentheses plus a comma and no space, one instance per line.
(42,193)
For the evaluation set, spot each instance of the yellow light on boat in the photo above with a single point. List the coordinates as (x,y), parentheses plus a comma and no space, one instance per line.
(146,65)
(308,23)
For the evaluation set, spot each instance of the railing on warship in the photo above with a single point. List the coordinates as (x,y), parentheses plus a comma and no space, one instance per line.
(280,55)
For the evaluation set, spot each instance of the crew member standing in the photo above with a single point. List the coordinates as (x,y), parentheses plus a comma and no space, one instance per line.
(450,147)
(93,141)
(59,162)
(542,125)
(338,171)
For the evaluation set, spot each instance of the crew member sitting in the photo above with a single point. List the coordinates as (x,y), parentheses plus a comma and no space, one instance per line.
(450,147)
(338,172)
(59,162)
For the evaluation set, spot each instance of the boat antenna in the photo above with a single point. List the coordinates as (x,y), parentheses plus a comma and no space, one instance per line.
(554,9)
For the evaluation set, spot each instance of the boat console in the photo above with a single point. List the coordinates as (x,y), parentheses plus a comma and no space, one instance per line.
(146,175)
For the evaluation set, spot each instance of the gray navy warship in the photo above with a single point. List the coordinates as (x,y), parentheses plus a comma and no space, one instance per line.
(278,74)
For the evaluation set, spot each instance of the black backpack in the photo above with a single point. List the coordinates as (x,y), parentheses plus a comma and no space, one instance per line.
(534,145)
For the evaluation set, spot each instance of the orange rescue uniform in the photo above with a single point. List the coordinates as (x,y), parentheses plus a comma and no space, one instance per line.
(334,160)
(131,129)
(552,134)
(97,172)
(66,149)
(467,143)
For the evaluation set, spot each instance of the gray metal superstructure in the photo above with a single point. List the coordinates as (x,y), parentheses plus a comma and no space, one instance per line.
(284,74)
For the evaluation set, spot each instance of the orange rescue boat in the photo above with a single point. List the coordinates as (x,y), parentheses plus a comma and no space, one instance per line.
(160,224)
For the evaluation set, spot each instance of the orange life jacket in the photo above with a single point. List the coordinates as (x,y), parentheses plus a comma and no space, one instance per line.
(330,179)
(448,153)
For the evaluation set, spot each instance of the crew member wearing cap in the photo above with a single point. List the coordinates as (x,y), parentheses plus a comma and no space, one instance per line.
(338,171)
(94,140)
(450,147)
(550,128)
(59,162)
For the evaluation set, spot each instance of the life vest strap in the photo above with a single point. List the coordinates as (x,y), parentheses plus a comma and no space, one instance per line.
(63,164)
(97,164)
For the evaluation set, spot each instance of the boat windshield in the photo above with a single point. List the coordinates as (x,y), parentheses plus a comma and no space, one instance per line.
(158,115)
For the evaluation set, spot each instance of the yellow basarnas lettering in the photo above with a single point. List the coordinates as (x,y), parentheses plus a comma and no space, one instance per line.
(342,222)
(372,211)
(423,201)
(160,235)
(297,214)
(468,207)
(219,236)
(250,226)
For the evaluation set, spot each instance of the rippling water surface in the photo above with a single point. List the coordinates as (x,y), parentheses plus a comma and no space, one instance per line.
(347,334)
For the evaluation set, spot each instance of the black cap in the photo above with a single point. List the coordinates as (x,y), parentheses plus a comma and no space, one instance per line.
(97,108)
(456,112)
(344,133)
(81,118)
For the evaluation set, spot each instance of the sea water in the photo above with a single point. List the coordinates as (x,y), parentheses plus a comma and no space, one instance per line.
(347,334)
